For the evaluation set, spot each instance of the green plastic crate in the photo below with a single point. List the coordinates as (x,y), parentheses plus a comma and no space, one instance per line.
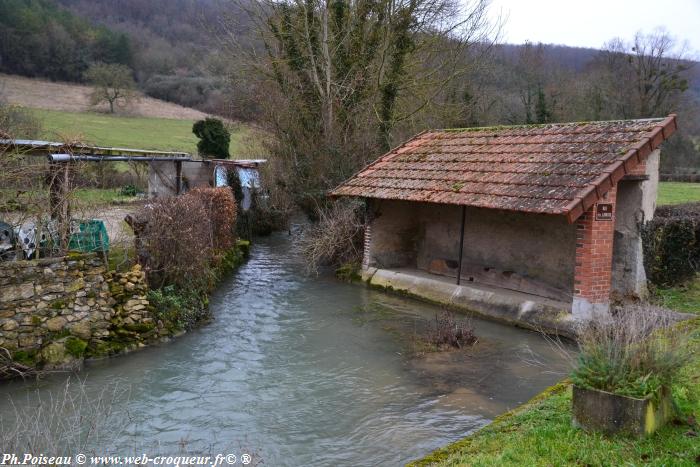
(92,236)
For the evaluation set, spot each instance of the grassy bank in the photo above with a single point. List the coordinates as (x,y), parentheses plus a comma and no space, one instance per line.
(540,432)
(164,134)
(678,192)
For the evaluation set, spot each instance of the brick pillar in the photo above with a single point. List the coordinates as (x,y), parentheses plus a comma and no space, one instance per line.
(594,252)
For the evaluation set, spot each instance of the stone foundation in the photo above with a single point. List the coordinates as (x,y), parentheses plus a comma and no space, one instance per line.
(507,306)
(55,310)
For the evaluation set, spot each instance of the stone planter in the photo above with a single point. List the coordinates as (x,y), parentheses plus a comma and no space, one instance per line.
(610,413)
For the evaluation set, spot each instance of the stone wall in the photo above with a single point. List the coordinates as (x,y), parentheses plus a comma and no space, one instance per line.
(54,311)
(533,253)
(133,320)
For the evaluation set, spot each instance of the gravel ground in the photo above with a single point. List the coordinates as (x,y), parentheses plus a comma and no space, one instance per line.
(113,216)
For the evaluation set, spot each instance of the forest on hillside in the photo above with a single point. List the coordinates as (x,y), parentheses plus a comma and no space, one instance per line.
(39,38)
(247,60)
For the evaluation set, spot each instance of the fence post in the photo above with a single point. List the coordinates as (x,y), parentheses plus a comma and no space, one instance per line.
(59,187)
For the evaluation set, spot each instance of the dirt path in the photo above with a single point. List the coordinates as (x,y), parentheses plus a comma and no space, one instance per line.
(113,216)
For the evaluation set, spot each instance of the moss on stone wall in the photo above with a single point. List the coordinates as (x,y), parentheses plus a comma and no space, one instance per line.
(55,312)
(75,346)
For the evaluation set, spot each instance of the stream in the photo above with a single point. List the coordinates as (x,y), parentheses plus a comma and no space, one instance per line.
(300,370)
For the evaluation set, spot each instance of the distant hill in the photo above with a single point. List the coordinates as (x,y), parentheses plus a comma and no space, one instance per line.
(40,38)
(42,94)
(176,53)
(168,43)
(172,47)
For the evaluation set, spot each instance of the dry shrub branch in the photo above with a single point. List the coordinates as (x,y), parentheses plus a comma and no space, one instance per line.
(449,332)
(71,420)
(337,238)
(10,368)
(181,239)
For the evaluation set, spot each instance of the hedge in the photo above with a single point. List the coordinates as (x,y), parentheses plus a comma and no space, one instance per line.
(182,239)
(672,244)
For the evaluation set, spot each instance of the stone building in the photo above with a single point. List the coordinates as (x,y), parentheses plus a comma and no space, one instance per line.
(537,225)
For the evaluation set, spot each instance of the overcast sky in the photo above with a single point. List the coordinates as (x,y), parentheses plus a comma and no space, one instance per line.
(591,23)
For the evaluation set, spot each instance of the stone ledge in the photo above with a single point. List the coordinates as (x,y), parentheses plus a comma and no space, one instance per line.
(516,308)
(31,263)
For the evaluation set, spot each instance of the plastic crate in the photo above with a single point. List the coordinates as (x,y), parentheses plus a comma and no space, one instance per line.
(89,236)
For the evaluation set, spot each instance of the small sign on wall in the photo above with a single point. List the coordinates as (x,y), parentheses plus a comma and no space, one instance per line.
(604,212)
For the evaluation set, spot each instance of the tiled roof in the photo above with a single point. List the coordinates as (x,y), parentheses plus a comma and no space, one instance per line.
(552,169)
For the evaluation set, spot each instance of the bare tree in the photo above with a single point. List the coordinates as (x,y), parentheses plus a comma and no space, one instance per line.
(112,83)
(645,77)
(336,77)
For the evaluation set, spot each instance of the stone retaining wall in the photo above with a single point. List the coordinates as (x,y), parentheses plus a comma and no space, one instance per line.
(55,310)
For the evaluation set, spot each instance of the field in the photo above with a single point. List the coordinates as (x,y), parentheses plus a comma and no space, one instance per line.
(678,192)
(134,132)
(71,97)
(65,114)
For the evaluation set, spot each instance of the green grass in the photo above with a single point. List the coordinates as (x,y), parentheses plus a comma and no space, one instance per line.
(540,433)
(685,298)
(131,132)
(678,192)
(83,197)
(101,196)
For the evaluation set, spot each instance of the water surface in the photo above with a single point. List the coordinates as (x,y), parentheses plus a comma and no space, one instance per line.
(312,371)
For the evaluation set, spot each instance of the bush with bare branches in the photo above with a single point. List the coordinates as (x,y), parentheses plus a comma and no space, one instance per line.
(220,208)
(17,122)
(64,422)
(183,237)
(337,238)
(448,332)
(10,368)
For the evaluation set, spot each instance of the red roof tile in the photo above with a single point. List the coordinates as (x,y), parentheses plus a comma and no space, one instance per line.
(551,169)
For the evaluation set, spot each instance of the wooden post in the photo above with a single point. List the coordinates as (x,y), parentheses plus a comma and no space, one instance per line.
(178,177)
(59,206)
(105,253)
(461,245)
